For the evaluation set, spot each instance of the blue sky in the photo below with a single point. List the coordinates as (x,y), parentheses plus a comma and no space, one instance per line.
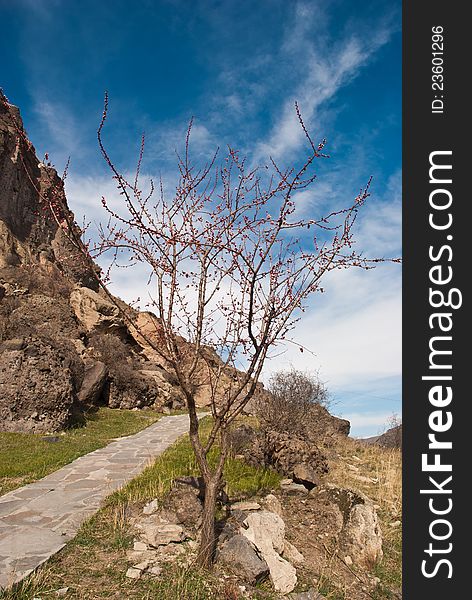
(237,67)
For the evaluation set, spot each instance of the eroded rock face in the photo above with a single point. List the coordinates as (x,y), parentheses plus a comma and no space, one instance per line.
(96,312)
(28,232)
(290,456)
(38,387)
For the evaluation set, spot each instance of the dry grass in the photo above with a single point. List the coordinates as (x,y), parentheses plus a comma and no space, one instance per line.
(377,473)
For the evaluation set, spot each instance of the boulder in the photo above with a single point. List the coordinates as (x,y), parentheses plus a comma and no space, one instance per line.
(38,388)
(360,536)
(96,312)
(306,475)
(184,500)
(93,383)
(266,530)
(239,555)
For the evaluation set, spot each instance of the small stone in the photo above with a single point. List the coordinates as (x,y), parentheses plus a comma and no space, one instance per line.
(294,488)
(161,535)
(151,507)
(286,482)
(61,592)
(245,506)
(133,573)
(291,554)
(140,546)
(376,580)
(155,571)
(395,524)
(142,566)
(135,557)
(348,560)
(272,503)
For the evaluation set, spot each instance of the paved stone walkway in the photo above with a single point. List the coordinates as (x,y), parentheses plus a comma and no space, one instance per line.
(38,519)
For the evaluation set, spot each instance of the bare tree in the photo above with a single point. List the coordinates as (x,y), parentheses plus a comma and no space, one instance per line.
(292,395)
(231,265)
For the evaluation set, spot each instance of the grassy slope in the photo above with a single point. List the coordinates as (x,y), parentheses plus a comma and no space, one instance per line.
(27,457)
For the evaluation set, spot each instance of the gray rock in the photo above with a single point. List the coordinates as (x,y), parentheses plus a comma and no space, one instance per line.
(294,488)
(266,530)
(272,504)
(163,534)
(306,475)
(360,536)
(239,555)
(311,594)
(93,383)
(184,500)
(151,507)
(133,573)
(245,506)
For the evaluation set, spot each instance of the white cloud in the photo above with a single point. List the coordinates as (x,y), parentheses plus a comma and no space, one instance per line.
(353,329)
(368,424)
(325,68)
(61,129)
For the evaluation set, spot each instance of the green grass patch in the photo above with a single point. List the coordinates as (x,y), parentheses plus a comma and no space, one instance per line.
(26,457)
(241,479)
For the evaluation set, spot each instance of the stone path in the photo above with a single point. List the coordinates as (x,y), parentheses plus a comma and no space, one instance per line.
(38,519)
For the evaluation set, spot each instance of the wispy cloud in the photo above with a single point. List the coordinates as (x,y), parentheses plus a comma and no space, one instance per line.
(324,72)
(58,125)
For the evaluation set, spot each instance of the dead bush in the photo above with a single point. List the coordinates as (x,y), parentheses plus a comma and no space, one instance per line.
(288,406)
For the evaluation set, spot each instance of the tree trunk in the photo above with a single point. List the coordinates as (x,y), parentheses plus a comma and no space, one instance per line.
(207,547)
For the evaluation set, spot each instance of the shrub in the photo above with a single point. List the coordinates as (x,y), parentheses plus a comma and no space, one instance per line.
(289,405)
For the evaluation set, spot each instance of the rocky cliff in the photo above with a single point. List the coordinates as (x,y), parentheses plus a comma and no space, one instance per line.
(63,344)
